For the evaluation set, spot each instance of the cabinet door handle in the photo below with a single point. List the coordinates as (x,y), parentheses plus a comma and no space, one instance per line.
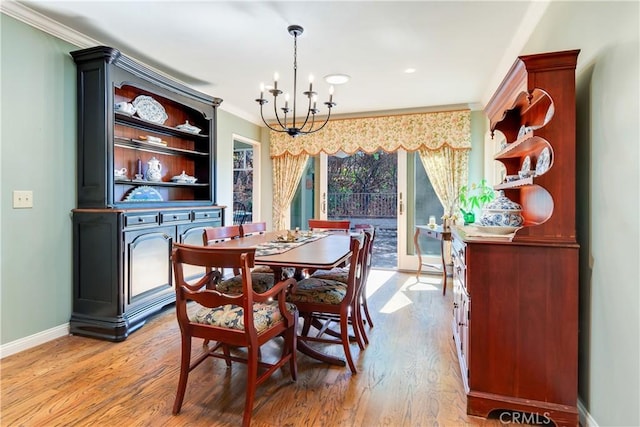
(175,217)
(206,215)
(140,219)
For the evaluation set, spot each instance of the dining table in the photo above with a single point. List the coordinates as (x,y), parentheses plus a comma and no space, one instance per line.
(318,251)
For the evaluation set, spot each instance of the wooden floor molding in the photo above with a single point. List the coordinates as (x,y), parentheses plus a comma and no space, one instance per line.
(408,375)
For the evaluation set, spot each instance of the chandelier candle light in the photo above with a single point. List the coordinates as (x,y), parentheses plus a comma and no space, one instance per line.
(309,126)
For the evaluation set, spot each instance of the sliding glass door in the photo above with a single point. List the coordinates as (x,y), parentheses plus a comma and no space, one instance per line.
(390,191)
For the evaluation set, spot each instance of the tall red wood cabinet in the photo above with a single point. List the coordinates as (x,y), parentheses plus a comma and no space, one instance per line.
(516,299)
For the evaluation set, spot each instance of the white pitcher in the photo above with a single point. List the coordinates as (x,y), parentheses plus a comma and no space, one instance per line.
(154,170)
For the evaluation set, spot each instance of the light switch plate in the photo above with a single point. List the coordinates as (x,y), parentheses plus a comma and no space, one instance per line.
(22,199)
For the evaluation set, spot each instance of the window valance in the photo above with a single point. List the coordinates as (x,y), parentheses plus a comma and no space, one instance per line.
(389,133)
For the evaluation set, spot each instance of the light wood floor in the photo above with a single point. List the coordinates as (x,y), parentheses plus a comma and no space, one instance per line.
(408,375)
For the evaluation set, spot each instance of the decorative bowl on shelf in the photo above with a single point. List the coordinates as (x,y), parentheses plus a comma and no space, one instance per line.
(526,174)
(124,108)
(502,212)
(120,173)
(183,178)
(511,178)
(187,127)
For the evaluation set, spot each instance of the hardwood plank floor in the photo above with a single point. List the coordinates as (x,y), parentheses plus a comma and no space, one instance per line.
(408,375)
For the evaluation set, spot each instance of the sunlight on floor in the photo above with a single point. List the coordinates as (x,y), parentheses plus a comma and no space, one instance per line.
(376,279)
(400,299)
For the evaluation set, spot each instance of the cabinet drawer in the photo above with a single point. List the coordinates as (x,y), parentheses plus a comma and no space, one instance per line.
(141,219)
(458,255)
(175,216)
(206,215)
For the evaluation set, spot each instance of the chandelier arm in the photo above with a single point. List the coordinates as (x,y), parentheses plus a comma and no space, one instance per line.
(267,124)
(323,125)
(275,111)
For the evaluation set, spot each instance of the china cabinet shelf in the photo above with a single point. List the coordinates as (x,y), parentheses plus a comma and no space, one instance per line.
(159,184)
(155,127)
(155,148)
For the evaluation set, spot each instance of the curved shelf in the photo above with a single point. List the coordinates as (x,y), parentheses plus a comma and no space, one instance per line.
(158,183)
(151,147)
(138,123)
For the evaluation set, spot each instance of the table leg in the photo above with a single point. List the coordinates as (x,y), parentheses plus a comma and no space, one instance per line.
(304,348)
(415,242)
(444,269)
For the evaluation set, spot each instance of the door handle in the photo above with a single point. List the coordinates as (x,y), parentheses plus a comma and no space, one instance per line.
(401,207)
(324,202)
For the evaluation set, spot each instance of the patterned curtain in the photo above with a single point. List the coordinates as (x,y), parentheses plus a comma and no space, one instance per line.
(287,172)
(389,133)
(447,169)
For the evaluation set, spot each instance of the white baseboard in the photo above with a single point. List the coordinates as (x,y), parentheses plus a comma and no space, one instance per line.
(33,340)
(586,420)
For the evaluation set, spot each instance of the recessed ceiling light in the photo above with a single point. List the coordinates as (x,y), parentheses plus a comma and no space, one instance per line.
(336,79)
(410,70)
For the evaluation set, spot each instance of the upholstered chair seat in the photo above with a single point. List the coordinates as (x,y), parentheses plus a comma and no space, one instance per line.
(319,290)
(261,282)
(231,316)
(340,274)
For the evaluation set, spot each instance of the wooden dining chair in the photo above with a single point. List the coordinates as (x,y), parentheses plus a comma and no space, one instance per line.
(251,228)
(213,235)
(329,225)
(330,300)
(341,274)
(262,279)
(247,320)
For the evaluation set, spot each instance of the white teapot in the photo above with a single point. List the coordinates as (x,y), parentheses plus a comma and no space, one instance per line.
(154,170)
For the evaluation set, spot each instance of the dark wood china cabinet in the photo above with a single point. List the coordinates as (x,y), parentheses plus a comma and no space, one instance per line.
(126,220)
(515,314)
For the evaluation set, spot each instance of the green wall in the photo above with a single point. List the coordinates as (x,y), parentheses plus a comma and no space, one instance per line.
(37,153)
(228,127)
(608,176)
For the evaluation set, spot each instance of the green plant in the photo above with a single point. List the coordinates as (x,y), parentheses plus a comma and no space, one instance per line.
(474,196)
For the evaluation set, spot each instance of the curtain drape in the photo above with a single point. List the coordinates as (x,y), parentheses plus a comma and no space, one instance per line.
(447,169)
(287,171)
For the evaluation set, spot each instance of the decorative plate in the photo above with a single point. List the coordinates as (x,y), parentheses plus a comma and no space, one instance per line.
(149,109)
(526,164)
(144,193)
(544,161)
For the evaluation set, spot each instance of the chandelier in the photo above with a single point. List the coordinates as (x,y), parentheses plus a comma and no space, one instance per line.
(286,124)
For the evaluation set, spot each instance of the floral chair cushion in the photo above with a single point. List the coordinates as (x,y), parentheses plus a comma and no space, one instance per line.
(231,316)
(261,282)
(317,290)
(337,274)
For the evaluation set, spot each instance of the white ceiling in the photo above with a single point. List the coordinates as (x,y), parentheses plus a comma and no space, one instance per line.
(460,49)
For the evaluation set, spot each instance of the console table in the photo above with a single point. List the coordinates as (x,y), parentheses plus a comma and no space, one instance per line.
(438,233)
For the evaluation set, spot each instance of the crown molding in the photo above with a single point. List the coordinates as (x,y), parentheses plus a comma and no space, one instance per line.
(37,20)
